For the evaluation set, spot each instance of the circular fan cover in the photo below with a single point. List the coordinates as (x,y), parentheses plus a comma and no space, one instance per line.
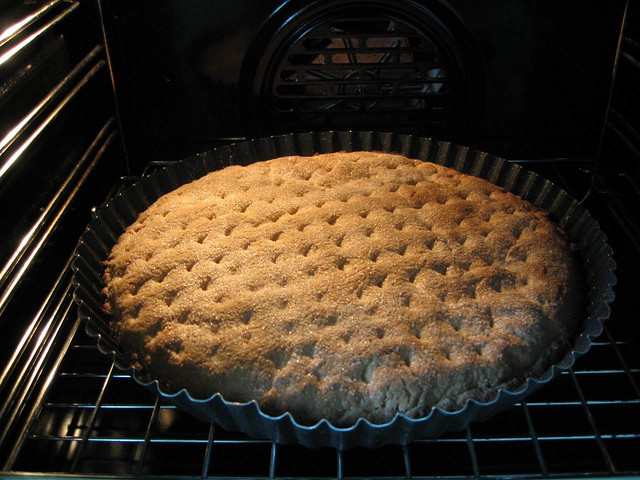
(367,65)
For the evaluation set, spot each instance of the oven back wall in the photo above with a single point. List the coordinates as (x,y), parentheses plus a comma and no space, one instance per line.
(535,75)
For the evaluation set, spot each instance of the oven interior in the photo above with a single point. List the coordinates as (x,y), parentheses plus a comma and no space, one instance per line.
(95,94)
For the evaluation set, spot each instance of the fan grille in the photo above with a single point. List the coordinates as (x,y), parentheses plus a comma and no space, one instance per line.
(372,71)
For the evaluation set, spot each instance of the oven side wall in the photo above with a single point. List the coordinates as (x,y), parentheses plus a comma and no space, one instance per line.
(59,154)
(619,168)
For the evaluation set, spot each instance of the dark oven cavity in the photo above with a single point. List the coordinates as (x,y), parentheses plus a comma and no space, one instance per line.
(96,94)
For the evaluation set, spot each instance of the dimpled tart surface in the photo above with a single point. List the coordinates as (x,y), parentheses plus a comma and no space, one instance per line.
(341,286)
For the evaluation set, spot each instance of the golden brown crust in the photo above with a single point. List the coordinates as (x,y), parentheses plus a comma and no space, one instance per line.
(342,286)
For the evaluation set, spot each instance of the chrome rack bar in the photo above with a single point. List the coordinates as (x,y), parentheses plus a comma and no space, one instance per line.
(92,420)
(48,214)
(37,403)
(592,423)
(47,121)
(407,461)
(472,454)
(208,451)
(14,30)
(21,384)
(20,128)
(625,367)
(272,460)
(5,57)
(147,437)
(103,140)
(534,439)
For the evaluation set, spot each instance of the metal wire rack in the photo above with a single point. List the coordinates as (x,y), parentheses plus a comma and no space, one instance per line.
(83,417)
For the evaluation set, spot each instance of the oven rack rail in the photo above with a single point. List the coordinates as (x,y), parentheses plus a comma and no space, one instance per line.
(206,440)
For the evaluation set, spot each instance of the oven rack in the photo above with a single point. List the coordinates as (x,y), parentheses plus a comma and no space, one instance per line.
(80,416)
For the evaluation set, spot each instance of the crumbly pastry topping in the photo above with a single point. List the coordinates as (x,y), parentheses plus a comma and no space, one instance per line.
(342,286)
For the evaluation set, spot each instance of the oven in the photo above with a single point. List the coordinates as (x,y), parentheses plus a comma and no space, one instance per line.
(95,94)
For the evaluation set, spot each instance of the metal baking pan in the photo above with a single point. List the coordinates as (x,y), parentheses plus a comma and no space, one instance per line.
(595,256)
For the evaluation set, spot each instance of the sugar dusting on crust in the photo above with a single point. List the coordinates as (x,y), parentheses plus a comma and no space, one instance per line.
(342,286)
